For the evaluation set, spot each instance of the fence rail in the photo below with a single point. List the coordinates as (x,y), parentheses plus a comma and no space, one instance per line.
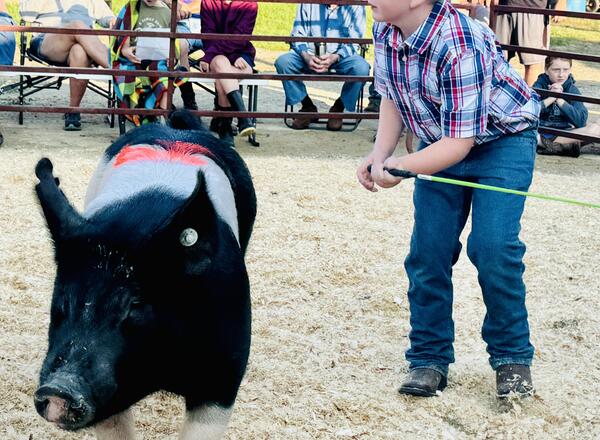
(495,9)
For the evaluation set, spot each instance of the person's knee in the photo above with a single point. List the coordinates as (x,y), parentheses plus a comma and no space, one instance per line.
(360,67)
(78,57)
(220,63)
(488,252)
(77,24)
(285,63)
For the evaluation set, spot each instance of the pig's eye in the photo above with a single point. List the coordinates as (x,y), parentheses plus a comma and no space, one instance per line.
(188,237)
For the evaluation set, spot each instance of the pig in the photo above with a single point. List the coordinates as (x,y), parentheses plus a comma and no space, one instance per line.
(151,289)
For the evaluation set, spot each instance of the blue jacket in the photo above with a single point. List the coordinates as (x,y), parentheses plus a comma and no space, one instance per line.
(571,114)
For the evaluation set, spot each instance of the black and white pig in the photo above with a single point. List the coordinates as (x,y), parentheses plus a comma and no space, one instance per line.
(151,289)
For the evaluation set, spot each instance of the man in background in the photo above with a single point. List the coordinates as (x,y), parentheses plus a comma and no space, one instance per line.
(324,20)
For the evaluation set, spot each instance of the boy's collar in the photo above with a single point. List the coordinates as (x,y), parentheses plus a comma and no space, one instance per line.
(422,37)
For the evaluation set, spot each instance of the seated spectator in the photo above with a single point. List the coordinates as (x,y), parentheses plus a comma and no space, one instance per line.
(70,50)
(149,91)
(560,113)
(228,56)
(332,21)
(188,14)
(7,42)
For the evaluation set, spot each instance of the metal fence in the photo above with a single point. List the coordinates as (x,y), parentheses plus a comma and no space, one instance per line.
(171,73)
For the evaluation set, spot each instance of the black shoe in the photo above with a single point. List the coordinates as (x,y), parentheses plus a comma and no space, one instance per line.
(72,122)
(246,126)
(373,106)
(423,382)
(225,130)
(188,96)
(513,380)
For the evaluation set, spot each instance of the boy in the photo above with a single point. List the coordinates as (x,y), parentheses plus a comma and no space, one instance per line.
(561,113)
(441,74)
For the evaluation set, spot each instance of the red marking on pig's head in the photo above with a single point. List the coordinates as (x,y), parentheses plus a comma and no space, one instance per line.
(181,153)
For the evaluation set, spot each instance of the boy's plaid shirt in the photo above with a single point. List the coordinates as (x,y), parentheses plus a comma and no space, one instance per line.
(449,78)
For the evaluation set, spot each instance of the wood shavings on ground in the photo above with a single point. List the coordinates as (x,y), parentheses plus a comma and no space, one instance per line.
(330,316)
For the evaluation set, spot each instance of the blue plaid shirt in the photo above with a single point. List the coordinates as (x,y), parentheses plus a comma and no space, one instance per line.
(449,78)
(314,20)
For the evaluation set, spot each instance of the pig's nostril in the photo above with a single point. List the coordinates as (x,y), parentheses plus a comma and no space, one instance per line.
(63,408)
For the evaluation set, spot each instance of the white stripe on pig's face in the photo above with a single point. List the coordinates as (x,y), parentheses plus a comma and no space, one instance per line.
(112,183)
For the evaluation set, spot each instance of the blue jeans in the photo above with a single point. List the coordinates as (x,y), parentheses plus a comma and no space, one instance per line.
(441,211)
(7,41)
(293,64)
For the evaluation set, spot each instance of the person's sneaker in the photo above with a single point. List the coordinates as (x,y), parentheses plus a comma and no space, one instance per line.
(373,106)
(336,124)
(72,121)
(302,123)
(514,380)
(423,382)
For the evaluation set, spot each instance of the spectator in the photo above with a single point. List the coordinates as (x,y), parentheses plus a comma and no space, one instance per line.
(143,92)
(228,56)
(523,29)
(7,42)
(561,113)
(331,21)
(70,50)
(188,14)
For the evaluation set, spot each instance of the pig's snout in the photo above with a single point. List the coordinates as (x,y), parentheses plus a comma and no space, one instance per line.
(60,402)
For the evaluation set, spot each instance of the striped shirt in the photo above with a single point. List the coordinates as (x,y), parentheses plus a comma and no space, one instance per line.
(313,20)
(449,78)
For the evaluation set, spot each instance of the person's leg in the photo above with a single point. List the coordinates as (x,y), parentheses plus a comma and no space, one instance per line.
(229,89)
(56,47)
(184,53)
(354,65)
(77,58)
(530,33)
(440,215)
(374,100)
(292,64)
(7,41)
(592,129)
(494,246)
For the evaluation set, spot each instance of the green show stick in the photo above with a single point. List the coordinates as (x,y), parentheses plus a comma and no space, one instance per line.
(407,175)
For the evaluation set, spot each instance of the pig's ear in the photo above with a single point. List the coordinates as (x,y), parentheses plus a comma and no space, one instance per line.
(61,217)
(195,231)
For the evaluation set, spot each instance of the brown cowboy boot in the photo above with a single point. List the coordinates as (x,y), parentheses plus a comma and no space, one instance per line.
(336,124)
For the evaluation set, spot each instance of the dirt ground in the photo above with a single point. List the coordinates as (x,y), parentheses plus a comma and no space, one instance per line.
(330,315)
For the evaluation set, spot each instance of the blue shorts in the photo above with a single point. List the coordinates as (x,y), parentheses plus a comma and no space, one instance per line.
(35,49)
(8,42)
(195,44)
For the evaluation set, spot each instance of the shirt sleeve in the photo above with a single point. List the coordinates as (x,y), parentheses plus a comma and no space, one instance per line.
(300,29)
(355,25)
(465,86)
(379,65)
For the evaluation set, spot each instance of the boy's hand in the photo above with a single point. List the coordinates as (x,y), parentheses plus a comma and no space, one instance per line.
(129,53)
(204,66)
(364,176)
(377,175)
(380,175)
